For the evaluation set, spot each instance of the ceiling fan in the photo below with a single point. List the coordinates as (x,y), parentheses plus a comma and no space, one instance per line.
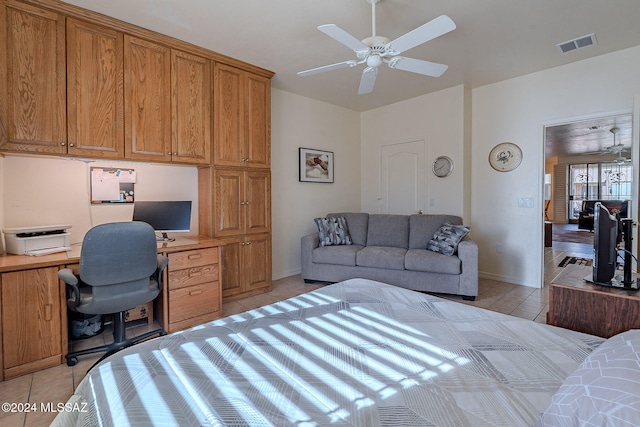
(615,148)
(376,50)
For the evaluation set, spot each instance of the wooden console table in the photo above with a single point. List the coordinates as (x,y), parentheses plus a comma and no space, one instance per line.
(584,307)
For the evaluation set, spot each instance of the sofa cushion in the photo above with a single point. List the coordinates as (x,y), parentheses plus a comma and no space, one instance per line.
(446,239)
(337,255)
(432,262)
(381,257)
(357,223)
(388,230)
(333,231)
(423,227)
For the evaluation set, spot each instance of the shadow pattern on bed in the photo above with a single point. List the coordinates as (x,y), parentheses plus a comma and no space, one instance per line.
(357,352)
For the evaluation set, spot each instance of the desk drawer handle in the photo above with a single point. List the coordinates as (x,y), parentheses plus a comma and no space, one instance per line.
(195,292)
(196,272)
(195,256)
(48,309)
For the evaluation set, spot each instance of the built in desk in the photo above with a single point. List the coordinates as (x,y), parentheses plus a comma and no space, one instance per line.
(33,308)
(581,306)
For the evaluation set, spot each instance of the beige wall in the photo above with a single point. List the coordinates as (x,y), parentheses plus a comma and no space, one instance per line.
(517,110)
(52,191)
(438,119)
(296,122)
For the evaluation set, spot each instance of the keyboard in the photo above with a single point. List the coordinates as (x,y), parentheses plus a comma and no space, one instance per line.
(47,251)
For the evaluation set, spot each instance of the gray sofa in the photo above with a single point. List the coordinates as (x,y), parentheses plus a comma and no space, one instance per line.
(392,249)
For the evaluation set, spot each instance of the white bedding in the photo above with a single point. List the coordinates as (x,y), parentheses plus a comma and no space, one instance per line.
(354,353)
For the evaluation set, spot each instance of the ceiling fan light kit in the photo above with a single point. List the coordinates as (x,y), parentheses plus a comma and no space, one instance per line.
(376,50)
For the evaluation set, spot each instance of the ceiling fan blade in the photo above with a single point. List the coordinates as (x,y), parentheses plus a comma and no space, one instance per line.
(337,66)
(419,66)
(337,33)
(429,31)
(368,80)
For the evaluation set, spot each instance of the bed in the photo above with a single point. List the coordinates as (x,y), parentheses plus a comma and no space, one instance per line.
(359,353)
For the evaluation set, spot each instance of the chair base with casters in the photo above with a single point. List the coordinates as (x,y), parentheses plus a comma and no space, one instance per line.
(119,269)
(120,341)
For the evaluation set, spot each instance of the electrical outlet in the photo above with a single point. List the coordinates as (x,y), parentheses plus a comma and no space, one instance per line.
(499,248)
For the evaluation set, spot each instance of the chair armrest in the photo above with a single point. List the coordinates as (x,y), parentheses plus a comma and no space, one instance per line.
(67,276)
(163,261)
(468,254)
(307,244)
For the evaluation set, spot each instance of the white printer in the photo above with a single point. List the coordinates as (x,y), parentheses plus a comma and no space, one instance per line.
(38,240)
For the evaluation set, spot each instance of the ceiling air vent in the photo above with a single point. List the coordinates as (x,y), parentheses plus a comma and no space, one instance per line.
(578,43)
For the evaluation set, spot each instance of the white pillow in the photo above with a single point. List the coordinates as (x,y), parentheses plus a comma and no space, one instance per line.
(604,390)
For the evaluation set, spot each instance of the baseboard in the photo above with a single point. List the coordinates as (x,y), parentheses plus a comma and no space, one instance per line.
(286,273)
(506,279)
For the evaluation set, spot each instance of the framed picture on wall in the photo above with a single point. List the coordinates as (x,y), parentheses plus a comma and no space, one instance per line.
(315,165)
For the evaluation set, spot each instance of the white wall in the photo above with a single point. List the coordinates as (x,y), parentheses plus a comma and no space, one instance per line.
(296,122)
(516,110)
(52,191)
(438,119)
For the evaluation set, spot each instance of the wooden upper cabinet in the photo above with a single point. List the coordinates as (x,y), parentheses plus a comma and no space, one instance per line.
(33,79)
(95,110)
(147,100)
(242,117)
(191,108)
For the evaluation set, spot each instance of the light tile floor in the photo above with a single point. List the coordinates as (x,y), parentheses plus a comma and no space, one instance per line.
(56,385)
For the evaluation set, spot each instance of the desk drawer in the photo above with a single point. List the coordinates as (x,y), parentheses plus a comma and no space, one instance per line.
(192,276)
(194,258)
(193,301)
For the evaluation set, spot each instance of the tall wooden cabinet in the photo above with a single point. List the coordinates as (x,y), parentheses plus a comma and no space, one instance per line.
(32,96)
(242,179)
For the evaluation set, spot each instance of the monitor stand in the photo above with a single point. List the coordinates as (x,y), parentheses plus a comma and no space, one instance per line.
(164,238)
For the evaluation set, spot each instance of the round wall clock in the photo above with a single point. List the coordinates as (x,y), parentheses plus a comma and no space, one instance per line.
(442,166)
(505,156)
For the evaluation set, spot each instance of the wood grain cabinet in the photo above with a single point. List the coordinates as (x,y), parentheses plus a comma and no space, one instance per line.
(32,79)
(191,108)
(242,202)
(242,118)
(147,100)
(194,290)
(32,321)
(246,266)
(95,109)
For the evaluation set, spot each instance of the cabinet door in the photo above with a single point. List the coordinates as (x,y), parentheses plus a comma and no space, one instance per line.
(94,90)
(232,266)
(229,202)
(258,127)
(257,202)
(31,319)
(32,86)
(228,116)
(147,100)
(191,108)
(256,262)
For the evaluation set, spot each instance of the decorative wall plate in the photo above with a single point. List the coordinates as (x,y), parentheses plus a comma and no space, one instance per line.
(505,156)
(442,166)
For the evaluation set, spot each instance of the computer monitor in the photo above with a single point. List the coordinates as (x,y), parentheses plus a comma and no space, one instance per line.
(164,216)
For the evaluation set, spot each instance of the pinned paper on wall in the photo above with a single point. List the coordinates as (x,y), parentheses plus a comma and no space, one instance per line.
(112,185)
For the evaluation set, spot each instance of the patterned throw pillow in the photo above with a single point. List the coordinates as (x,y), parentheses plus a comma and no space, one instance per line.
(446,239)
(333,231)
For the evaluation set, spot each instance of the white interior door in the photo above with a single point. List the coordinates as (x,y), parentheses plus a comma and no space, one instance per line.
(402,190)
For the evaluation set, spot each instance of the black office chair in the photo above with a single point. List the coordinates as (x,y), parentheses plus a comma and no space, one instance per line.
(119,269)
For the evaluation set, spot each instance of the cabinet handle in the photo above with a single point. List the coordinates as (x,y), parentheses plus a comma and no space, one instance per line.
(243,203)
(48,309)
(62,144)
(168,153)
(195,292)
(195,273)
(72,145)
(195,256)
(175,153)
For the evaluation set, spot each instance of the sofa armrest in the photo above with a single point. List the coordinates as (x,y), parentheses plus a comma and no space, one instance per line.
(468,254)
(307,244)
